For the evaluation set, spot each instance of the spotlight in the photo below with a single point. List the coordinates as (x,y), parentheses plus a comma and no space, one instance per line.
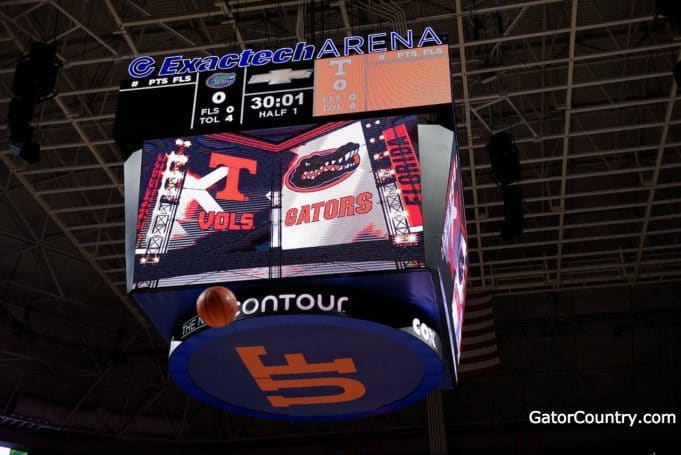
(513,213)
(29,151)
(668,8)
(478,26)
(19,120)
(505,172)
(503,155)
(20,131)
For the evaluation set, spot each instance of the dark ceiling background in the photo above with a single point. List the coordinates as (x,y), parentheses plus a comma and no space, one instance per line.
(587,304)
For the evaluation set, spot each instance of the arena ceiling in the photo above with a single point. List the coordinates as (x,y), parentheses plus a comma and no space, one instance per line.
(585,86)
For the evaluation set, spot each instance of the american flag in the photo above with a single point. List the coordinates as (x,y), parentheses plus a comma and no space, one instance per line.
(478,341)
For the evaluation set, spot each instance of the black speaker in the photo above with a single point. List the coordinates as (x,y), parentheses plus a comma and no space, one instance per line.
(503,156)
(36,73)
(34,81)
(514,214)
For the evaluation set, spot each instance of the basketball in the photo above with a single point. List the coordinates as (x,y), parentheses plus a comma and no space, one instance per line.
(216,306)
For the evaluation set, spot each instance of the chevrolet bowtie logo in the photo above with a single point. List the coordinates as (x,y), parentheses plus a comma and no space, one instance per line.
(275,77)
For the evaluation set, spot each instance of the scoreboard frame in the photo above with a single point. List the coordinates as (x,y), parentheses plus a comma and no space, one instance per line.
(369,337)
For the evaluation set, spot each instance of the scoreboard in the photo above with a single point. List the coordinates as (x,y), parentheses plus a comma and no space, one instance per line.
(298,185)
(297,93)
(379,82)
(244,98)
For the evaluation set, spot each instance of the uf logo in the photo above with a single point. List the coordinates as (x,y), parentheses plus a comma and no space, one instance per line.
(296,364)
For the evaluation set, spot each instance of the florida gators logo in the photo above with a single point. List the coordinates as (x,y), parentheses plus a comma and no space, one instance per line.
(220,80)
(323,169)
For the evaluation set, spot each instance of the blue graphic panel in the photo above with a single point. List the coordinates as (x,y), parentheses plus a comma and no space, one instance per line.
(389,368)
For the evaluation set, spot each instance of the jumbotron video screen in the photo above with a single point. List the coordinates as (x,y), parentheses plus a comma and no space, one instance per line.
(341,197)
(453,268)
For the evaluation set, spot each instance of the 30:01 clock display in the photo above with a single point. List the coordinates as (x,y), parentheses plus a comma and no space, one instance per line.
(277,107)
(285,100)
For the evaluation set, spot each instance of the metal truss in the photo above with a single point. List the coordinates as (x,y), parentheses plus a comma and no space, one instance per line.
(600,68)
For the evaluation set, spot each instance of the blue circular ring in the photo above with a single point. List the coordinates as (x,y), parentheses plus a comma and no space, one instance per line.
(178,362)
